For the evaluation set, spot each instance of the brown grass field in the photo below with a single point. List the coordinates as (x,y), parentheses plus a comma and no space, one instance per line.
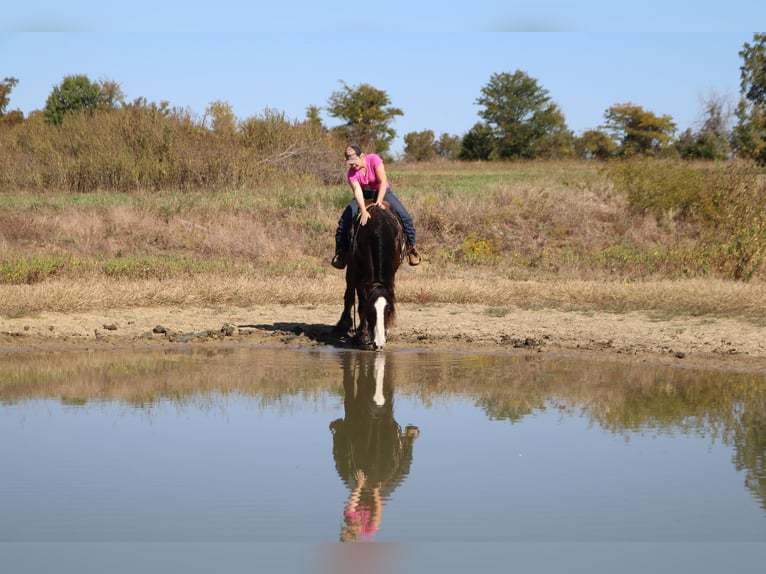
(560,239)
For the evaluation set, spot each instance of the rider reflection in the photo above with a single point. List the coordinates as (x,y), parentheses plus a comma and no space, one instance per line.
(372,454)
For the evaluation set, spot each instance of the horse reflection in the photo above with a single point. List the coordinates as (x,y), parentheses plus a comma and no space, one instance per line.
(372,454)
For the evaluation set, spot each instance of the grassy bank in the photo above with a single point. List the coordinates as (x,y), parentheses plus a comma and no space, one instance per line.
(668,237)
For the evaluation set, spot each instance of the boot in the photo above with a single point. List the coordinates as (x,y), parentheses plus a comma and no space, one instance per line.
(339,260)
(413,256)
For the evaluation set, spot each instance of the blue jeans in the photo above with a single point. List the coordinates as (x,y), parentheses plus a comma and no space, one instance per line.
(348,215)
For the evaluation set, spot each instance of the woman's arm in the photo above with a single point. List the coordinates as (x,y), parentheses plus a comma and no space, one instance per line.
(359,196)
(380,173)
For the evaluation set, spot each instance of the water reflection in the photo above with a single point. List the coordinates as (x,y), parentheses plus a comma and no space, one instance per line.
(372,454)
(688,447)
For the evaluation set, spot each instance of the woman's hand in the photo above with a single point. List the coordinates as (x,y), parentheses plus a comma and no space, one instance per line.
(364,217)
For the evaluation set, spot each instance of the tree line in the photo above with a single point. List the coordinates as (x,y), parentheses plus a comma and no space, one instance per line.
(519,120)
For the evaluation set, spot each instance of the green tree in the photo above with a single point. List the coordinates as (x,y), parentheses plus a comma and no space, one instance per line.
(448,146)
(595,144)
(111,93)
(75,93)
(639,132)
(419,146)
(314,119)
(711,140)
(478,143)
(749,135)
(6,87)
(524,120)
(6,117)
(222,119)
(367,115)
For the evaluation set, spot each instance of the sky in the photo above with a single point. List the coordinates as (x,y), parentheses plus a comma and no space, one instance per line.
(667,57)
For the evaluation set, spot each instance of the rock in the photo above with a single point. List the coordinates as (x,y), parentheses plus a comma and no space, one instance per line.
(228,329)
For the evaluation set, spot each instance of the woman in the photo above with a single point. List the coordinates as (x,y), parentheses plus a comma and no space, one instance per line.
(368,180)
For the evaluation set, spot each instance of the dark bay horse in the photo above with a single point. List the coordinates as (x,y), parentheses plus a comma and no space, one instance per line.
(375,253)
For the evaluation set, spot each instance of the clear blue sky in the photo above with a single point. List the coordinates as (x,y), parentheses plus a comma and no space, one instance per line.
(431,62)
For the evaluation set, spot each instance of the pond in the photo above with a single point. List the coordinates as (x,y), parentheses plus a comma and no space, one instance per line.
(282,445)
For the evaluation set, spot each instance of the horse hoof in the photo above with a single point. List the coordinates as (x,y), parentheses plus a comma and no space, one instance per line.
(340,330)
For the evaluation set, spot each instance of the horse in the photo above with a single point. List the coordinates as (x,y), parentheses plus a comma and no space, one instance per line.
(376,250)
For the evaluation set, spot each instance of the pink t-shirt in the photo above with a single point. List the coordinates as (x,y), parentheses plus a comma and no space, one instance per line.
(370,178)
(362,516)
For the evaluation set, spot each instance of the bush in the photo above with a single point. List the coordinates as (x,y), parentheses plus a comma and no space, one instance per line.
(29,270)
(143,146)
(724,202)
(152,267)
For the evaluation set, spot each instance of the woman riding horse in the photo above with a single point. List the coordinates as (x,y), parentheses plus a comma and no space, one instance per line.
(368,180)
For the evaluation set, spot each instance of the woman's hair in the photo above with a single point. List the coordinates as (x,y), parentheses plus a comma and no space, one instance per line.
(356,148)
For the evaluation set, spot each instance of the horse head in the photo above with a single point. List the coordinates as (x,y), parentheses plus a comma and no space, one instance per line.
(379,313)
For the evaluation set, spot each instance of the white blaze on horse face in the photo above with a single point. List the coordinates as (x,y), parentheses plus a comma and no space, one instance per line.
(380,371)
(380,322)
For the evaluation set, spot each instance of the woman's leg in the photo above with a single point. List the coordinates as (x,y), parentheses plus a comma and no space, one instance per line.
(344,225)
(407,223)
(409,227)
(342,233)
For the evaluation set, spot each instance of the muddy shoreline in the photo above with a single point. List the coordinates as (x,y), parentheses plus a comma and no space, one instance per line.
(708,343)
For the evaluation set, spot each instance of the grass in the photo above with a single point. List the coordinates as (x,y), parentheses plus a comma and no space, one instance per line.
(559,234)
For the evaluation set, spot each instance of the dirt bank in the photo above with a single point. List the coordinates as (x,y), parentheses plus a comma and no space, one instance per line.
(695,342)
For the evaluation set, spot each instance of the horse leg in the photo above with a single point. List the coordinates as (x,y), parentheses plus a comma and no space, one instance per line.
(361,330)
(345,323)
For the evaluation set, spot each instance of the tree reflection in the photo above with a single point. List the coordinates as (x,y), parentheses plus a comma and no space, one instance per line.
(622,399)
(372,454)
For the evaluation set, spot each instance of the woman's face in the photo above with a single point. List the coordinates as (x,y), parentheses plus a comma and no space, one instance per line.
(356,163)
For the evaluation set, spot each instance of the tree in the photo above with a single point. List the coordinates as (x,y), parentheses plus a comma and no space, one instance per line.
(419,146)
(78,93)
(448,146)
(14,116)
(639,132)
(478,143)
(595,144)
(367,114)
(711,140)
(222,118)
(6,87)
(749,135)
(313,118)
(524,120)
(111,93)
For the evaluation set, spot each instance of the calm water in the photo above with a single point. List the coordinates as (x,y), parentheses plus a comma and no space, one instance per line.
(278,445)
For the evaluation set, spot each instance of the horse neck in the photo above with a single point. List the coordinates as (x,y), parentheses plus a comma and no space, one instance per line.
(376,244)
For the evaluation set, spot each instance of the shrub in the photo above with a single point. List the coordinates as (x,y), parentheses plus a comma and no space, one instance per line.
(29,270)
(477,250)
(725,202)
(152,267)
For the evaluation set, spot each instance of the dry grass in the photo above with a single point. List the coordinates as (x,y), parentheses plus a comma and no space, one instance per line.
(528,234)
(420,286)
